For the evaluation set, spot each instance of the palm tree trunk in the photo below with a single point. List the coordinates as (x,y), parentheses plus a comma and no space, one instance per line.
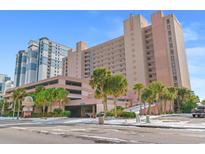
(139,102)
(2,110)
(140,108)
(104,107)
(105,104)
(14,108)
(161,107)
(178,105)
(115,105)
(18,109)
(170,106)
(165,106)
(44,111)
(145,109)
(149,109)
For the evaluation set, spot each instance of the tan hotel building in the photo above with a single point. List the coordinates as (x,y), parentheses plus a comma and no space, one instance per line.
(81,101)
(146,52)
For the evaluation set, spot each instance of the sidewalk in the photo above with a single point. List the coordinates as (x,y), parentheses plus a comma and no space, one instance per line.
(155,122)
(174,121)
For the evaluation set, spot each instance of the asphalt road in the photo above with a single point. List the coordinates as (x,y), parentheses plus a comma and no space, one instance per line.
(90,133)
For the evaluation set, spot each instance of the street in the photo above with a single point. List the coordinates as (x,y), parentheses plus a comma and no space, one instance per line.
(92,133)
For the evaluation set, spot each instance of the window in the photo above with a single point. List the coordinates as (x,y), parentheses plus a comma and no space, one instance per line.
(168,27)
(73,83)
(33,66)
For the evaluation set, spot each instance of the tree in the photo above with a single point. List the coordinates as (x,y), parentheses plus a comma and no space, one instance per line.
(169,94)
(172,96)
(189,103)
(149,97)
(51,97)
(158,90)
(98,82)
(2,107)
(43,98)
(117,86)
(182,95)
(39,88)
(61,96)
(138,87)
(203,102)
(18,96)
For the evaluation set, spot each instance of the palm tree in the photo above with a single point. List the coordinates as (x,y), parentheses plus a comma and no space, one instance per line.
(98,82)
(51,97)
(149,97)
(43,98)
(2,104)
(61,96)
(172,96)
(18,96)
(168,95)
(117,86)
(182,95)
(15,98)
(39,88)
(138,87)
(158,89)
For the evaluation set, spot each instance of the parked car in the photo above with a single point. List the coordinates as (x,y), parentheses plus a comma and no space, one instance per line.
(199,111)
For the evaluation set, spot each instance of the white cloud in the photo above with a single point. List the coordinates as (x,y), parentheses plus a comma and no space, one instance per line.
(191,32)
(197,52)
(196,61)
(198,86)
(196,70)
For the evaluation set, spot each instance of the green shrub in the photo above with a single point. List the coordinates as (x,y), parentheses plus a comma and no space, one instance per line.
(52,114)
(8,114)
(58,111)
(128,114)
(37,115)
(66,114)
(188,106)
(120,108)
(110,114)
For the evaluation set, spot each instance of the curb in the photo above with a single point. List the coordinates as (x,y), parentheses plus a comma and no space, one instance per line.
(157,126)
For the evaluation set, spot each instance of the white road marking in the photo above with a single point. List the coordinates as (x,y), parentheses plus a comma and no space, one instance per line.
(16,124)
(105,138)
(19,128)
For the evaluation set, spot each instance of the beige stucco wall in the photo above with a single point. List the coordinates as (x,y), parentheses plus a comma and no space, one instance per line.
(163,71)
(142,54)
(181,56)
(134,50)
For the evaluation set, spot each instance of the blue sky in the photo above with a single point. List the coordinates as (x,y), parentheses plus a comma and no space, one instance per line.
(68,27)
